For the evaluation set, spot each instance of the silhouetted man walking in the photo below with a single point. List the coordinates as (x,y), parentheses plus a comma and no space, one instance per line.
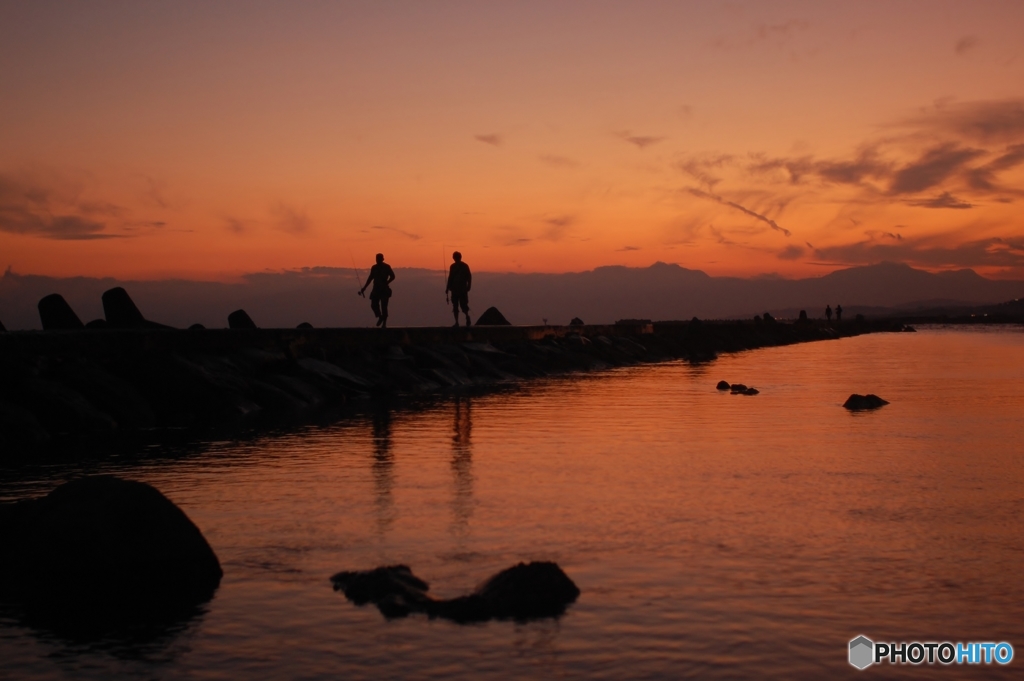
(839,313)
(460,280)
(828,312)
(381,275)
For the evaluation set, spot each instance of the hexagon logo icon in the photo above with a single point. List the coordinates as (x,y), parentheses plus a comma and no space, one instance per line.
(862,651)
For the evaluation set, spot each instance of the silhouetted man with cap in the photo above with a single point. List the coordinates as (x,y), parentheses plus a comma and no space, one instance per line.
(381,275)
(460,280)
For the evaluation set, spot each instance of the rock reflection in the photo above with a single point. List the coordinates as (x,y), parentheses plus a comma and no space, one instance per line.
(158,639)
(462,466)
(383,469)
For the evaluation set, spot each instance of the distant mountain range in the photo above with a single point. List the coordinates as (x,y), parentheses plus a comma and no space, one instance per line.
(327,296)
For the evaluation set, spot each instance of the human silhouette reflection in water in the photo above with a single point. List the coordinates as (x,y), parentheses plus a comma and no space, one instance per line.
(383,469)
(462,466)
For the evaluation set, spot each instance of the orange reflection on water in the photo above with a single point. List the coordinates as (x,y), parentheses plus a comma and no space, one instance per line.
(712,535)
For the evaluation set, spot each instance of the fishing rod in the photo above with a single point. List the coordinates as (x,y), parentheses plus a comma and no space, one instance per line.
(358,275)
(443,276)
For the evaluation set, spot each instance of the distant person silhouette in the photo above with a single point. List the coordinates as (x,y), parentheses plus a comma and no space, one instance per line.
(381,275)
(828,312)
(839,313)
(460,280)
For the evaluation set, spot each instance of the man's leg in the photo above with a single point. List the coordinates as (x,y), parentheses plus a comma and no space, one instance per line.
(384,312)
(465,307)
(455,307)
(375,306)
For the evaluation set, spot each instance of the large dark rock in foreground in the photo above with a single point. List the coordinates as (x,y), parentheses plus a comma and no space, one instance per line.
(57,315)
(522,592)
(103,543)
(492,317)
(2,327)
(864,402)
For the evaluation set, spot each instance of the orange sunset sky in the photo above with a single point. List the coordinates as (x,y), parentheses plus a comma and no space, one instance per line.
(210,139)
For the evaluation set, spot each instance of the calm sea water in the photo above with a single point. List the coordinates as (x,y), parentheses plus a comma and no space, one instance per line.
(712,535)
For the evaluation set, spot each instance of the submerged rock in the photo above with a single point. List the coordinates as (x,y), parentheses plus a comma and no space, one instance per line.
(239,319)
(523,591)
(529,590)
(104,543)
(723,385)
(576,321)
(862,402)
(304,325)
(492,317)
(394,589)
(57,315)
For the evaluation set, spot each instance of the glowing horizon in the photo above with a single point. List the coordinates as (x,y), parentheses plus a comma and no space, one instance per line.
(207,141)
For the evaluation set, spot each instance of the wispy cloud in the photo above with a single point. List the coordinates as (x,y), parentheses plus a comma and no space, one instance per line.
(791,252)
(952,156)
(865,165)
(557,226)
(493,138)
(236,225)
(924,252)
(143,225)
(984,177)
(396,230)
(639,141)
(290,219)
(720,236)
(154,193)
(934,166)
(765,31)
(558,161)
(980,122)
(780,34)
(960,151)
(627,248)
(877,234)
(54,211)
(732,204)
(966,44)
(705,168)
(943,200)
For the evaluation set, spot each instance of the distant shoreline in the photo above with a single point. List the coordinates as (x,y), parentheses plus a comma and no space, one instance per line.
(62,390)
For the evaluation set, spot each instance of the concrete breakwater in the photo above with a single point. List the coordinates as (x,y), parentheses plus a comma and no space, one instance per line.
(61,386)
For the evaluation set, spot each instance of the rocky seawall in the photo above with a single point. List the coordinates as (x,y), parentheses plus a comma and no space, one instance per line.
(93,384)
